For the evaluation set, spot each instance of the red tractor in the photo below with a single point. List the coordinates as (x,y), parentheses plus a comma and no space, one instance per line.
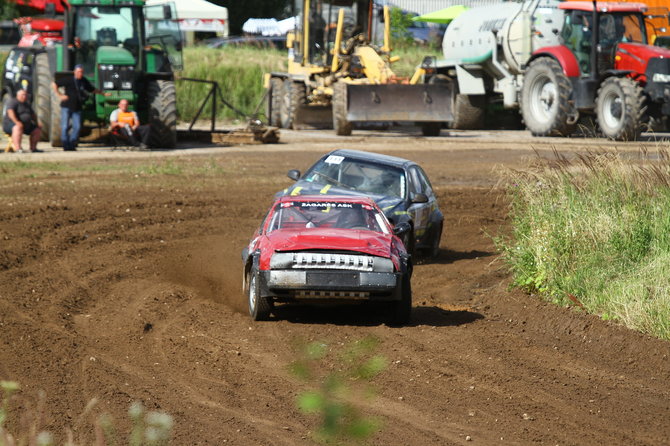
(39,31)
(604,65)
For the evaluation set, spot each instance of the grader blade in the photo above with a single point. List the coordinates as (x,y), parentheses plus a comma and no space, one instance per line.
(399,102)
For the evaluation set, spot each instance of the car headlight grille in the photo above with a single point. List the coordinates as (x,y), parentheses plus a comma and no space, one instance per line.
(325,260)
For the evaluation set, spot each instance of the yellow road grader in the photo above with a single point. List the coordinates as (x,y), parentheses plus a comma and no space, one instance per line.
(339,74)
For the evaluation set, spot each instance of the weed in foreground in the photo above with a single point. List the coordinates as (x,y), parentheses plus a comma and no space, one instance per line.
(148,428)
(594,230)
(336,379)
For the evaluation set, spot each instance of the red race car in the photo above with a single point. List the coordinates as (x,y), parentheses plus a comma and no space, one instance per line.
(325,248)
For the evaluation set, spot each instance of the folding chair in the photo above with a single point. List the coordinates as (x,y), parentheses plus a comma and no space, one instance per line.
(10,145)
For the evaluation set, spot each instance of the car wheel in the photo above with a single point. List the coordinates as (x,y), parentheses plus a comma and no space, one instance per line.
(435,243)
(408,240)
(401,310)
(259,306)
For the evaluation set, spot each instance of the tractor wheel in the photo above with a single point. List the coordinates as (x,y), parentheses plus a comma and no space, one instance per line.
(54,122)
(401,310)
(42,94)
(163,114)
(340,124)
(544,99)
(274,102)
(259,306)
(469,112)
(620,109)
(294,96)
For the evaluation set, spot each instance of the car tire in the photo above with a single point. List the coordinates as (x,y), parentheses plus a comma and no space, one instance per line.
(401,309)
(259,306)
(408,240)
(434,249)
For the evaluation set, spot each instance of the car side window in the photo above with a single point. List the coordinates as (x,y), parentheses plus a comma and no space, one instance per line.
(425,183)
(416,185)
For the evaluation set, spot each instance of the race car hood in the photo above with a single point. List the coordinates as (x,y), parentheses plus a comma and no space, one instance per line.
(368,242)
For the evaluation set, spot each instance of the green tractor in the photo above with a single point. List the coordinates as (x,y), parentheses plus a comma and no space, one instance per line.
(127,49)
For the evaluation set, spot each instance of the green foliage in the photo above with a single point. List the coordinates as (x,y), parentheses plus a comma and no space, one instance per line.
(595,231)
(8,11)
(336,377)
(400,36)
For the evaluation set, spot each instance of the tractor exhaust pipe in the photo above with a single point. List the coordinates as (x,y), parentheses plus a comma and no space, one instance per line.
(595,36)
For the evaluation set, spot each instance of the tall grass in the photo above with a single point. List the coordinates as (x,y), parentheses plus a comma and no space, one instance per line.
(595,231)
(239,72)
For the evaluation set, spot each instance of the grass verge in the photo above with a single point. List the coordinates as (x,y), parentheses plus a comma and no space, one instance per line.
(595,231)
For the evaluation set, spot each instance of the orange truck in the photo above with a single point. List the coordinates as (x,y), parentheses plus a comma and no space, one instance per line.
(658,26)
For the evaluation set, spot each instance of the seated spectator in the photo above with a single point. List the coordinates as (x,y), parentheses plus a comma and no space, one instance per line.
(20,119)
(126,124)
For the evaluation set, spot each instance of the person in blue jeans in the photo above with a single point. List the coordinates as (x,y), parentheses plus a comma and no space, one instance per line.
(76,90)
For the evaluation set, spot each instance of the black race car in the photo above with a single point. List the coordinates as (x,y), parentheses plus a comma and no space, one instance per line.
(399,187)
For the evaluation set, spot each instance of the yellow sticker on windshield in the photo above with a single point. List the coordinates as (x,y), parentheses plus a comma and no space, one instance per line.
(296,191)
(325,189)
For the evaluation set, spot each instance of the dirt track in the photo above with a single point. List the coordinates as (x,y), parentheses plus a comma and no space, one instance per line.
(122,283)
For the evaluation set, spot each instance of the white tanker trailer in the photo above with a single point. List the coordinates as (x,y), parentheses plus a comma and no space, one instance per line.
(486,50)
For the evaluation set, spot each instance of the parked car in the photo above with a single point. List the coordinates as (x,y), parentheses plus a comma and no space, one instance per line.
(400,187)
(278,42)
(327,248)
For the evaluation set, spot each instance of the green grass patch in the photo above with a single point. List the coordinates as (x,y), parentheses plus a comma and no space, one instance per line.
(595,231)
(239,72)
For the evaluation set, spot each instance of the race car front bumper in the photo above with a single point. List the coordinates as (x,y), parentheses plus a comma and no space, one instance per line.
(330,283)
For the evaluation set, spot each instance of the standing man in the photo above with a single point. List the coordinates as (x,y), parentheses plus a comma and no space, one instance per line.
(127,123)
(77,90)
(20,119)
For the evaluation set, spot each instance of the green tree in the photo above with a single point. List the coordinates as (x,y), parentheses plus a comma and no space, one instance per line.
(239,12)
(400,36)
(8,11)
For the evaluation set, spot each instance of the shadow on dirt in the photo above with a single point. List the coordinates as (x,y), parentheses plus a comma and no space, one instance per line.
(446,256)
(366,315)
(438,317)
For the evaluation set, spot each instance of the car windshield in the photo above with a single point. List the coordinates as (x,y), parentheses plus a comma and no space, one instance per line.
(323,214)
(361,176)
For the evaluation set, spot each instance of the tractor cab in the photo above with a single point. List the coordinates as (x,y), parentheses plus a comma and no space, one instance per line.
(617,23)
(123,46)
